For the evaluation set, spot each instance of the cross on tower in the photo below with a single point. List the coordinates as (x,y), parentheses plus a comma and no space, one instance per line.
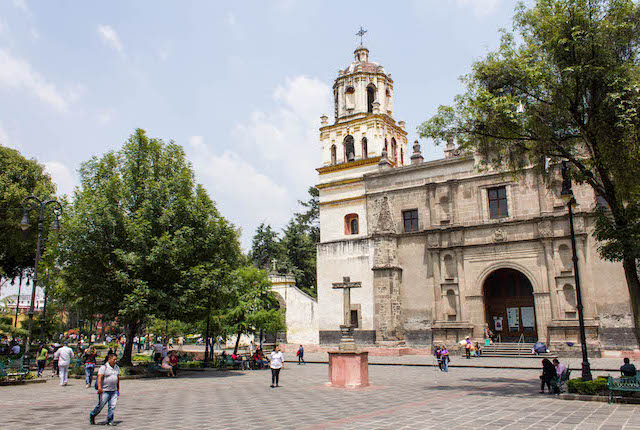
(361,34)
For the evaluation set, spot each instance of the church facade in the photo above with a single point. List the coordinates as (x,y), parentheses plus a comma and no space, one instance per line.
(443,249)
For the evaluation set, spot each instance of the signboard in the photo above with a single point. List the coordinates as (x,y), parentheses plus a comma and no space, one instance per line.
(513,319)
(497,323)
(528,319)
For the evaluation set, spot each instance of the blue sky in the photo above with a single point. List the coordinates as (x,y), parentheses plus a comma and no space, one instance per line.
(241,85)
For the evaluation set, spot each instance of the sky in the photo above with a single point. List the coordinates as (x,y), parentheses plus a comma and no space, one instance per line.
(240,85)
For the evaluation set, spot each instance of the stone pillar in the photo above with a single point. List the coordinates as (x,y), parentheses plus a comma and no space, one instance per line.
(552,288)
(462,287)
(437,288)
(586,285)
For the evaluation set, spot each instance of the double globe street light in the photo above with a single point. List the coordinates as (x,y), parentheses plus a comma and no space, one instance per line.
(567,196)
(29,204)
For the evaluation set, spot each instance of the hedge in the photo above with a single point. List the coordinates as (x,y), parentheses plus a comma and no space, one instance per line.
(596,387)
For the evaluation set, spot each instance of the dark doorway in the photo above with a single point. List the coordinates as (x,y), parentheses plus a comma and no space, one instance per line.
(509,306)
(371,97)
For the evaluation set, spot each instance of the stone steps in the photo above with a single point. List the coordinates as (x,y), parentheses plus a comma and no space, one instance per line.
(518,350)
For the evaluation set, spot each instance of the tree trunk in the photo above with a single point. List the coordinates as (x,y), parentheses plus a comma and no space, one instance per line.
(128,347)
(631,273)
(235,349)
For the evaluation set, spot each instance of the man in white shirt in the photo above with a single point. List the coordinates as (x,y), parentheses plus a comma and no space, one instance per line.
(64,355)
(108,389)
(277,363)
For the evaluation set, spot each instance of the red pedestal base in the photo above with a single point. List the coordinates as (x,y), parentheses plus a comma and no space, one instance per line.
(349,369)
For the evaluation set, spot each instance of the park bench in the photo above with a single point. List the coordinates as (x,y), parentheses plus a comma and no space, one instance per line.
(14,369)
(155,368)
(629,384)
(558,383)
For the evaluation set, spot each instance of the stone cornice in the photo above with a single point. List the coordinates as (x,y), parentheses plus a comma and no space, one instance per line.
(338,183)
(347,166)
(347,199)
(368,117)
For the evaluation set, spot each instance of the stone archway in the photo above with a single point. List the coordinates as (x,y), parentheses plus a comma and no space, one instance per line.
(509,305)
(281,336)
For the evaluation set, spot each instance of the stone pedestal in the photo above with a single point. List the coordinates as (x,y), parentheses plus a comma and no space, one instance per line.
(349,369)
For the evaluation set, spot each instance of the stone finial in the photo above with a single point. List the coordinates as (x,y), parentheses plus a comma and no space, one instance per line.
(449,148)
(402,125)
(376,107)
(384,162)
(324,120)
(416,157)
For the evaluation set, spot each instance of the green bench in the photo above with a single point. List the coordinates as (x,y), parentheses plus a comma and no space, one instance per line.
(154,368)
(14,369)
(629,384)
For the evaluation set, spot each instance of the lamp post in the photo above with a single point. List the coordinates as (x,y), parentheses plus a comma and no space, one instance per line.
(567,196)
(33,203)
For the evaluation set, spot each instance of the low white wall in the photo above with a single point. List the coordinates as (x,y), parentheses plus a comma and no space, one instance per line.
(301,312)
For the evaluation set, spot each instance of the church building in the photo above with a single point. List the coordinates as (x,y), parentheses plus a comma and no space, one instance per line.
(442,248)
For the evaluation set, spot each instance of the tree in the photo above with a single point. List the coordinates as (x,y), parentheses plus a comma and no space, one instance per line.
(310,218)
(301,255)
(565,87)
(254,307)
(19,178)
(139,235)
(265,247)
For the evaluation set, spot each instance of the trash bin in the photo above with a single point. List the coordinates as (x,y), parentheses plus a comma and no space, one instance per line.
(487,342)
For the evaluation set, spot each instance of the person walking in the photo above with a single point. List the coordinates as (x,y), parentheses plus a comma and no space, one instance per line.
(108,389)
(444,354)
(54,364)
(89,359)
(41,359)
(438,354)
(65,355)
(277,363)
(157,352)
(300,355)
(467,347)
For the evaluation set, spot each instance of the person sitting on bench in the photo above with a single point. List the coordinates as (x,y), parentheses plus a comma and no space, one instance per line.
(628,369)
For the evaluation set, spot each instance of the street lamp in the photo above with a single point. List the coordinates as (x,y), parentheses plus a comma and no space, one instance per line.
(33,203)
(567,196)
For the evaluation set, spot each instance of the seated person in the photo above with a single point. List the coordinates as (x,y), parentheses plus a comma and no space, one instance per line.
(237,360)
(259,361)
(166,364)
(173,361)
(628,369)
(560,368)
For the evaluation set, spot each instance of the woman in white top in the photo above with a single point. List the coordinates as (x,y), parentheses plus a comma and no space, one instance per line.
(277,363)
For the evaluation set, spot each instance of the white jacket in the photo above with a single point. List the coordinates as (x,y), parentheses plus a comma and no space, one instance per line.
(65,355)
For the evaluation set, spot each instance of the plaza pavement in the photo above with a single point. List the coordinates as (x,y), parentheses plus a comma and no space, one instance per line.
(401,397)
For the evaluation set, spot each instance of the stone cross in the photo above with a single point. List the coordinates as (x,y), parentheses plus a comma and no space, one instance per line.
(274,267)
(346,285)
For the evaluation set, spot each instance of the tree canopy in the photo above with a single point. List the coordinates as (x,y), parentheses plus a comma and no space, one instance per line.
(142,238)
(564,85)
(19,178)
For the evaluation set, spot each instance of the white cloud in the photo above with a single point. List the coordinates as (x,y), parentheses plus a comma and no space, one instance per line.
(289,133)
(22,5)
(230,19)
(111,38)
(18,73)
(105,117)
(62,176)
(245,195)
(480,7)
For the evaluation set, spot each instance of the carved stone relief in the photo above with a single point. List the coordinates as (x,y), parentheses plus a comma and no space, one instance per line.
(499,235)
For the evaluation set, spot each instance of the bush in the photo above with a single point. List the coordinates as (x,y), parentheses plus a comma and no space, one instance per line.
(596,387)
(142,357)
(191,365)
(101,346)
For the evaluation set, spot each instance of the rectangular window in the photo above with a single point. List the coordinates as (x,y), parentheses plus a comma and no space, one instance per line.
(498,202)
(410,219)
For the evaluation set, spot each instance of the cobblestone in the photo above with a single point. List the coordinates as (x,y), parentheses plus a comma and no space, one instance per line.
(400,397)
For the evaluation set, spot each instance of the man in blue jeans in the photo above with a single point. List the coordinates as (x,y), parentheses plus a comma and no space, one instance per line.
(108,389)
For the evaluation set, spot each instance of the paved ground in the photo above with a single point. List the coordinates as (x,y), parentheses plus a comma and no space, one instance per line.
(401,397)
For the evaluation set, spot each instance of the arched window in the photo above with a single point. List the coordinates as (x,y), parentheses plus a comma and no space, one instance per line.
(350,97)
(394,150)
(365,149)
(333,154)
(569,296)
(386,149)
(371,97)
(565,257)
(351,224)
(349,150)
(450,266)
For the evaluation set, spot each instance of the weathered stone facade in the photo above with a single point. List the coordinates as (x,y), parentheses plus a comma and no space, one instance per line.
(443,248)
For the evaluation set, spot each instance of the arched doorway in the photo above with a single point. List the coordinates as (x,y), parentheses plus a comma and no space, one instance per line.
(509,306)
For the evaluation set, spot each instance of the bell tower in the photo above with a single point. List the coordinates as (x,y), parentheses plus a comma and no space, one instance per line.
(363,126)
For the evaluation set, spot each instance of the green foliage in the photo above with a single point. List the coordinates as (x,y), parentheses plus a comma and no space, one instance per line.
(140,237)
(19,178)
(254,306)
(573,66)
(142,357)
(175,328)
(596,387)
(295,252)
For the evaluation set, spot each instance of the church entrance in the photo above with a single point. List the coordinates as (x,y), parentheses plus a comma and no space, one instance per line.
(509,306)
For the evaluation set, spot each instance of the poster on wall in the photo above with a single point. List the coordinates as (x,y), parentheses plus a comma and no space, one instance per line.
(513,318)
(528,319)
(497,323)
